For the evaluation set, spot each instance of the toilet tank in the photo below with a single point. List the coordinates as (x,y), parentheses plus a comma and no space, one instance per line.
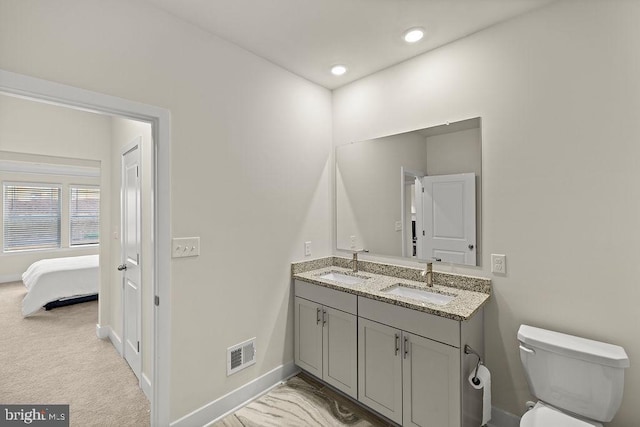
(574,374)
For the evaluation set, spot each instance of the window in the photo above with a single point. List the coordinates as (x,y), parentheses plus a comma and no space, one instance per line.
(31,216)
(84,216)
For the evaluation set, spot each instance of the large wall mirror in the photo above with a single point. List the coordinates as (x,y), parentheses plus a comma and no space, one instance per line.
(414,195)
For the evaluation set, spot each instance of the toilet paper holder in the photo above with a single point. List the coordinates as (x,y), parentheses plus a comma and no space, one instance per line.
(469,350)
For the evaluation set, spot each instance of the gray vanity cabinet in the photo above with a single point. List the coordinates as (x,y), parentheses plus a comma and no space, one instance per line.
(308,339)
(380,368)
(410,379)
(405,364)
(430,383)
(409,365)
(326,336)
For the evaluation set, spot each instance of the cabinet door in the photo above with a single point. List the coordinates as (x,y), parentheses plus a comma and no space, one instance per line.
(340,350)
(380,368)
(308,336)
(431,383)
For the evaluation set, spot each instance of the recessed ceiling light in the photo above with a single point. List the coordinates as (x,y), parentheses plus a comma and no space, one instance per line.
(413,35)
(338,70)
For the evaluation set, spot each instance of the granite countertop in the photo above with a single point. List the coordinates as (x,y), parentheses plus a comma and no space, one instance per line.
(467,299)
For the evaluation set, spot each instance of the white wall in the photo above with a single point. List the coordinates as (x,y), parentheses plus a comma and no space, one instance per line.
(455,152)
(123,132)
(250,168)
(559,96)
(38,131)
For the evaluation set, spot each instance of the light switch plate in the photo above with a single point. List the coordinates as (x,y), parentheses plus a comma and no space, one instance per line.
(499,263)
(307,248)
(398,225)
(182,247)
(352,242)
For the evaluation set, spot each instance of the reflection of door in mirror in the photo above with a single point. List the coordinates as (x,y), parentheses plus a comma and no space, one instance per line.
(376,212)
(408,211)
(447,206)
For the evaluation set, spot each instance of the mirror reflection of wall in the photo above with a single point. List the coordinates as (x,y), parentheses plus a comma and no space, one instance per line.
(377,207)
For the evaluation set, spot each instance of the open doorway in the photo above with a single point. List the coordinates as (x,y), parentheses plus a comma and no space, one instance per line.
(157,119)
(62,190)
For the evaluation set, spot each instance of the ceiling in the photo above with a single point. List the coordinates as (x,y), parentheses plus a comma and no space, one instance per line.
(307,37)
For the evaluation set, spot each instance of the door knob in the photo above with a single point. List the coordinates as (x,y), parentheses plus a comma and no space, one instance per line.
(471,247)
(122,267)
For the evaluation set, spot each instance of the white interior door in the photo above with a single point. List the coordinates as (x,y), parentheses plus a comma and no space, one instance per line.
(449,218)
(130,267)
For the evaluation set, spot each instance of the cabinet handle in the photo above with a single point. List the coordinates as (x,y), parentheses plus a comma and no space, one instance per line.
(406,347)
(397,344)
(318,316)
(324,317)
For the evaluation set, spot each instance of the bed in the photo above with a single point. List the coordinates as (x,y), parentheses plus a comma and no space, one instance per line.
(60,281)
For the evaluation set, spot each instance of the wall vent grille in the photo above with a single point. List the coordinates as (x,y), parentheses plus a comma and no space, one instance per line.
(241,356)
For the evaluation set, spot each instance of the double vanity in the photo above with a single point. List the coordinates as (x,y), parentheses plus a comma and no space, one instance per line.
(384,338)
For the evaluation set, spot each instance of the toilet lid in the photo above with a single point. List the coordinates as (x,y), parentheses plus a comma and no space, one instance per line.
(545,416)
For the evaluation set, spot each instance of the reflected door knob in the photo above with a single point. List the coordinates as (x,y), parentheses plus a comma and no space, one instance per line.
(122,267)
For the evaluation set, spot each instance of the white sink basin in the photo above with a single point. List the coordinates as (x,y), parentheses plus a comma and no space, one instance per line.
(344,279)
(419,294)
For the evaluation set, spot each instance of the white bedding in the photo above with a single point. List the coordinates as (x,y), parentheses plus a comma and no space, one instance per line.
(53,279)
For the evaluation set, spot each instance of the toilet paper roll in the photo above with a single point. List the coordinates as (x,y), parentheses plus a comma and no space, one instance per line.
(485,384)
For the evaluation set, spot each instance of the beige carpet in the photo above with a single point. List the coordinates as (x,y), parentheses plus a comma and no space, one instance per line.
(54,357)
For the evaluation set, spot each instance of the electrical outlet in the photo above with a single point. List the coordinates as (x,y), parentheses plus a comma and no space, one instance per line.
(307,248)
(498,263)
(185,247)
(352,242)
(398,225)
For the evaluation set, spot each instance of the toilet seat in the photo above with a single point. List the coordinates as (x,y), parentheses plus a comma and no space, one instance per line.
(545,416)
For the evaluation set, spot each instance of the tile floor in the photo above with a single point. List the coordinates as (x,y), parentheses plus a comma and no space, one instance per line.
(300,402)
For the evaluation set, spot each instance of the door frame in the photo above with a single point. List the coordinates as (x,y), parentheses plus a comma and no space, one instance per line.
(404,173)
(36,89)
(136,142)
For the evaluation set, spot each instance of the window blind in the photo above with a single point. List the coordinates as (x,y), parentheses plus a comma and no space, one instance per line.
(31,217)
(84,216)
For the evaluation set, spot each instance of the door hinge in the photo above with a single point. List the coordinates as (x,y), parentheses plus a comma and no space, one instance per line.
(157,300)
(138,259)
(423,190)
(423,233)
(138,346)
(137,171)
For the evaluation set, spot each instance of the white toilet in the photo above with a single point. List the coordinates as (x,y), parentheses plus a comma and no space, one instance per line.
(579,382)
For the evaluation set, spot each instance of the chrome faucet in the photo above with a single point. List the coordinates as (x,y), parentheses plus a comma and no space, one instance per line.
(354,260)
(427,273)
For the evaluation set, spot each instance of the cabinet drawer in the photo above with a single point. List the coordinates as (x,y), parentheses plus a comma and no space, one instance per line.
(424,324)
(330,297)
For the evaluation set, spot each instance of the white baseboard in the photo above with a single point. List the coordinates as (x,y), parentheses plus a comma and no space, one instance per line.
(145,384)
(106,331)
(102,331)
(230,402)
(500,418)
(8,278)
(116,341)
